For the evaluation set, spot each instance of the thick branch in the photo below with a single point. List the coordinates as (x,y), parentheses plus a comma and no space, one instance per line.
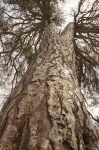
(82,29)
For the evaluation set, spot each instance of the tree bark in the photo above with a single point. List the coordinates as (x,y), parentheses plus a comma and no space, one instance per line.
(46,110)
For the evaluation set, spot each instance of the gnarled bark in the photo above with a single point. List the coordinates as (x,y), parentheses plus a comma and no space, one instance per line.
(46,110)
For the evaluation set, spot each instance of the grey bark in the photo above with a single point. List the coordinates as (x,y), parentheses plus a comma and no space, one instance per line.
(46,110)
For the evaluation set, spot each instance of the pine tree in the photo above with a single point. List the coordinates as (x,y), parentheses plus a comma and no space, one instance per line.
(46,109)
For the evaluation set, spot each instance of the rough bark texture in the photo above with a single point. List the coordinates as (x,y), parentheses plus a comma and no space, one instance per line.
(46,110)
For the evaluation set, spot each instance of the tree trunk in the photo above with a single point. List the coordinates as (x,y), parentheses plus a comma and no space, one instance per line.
(46,110)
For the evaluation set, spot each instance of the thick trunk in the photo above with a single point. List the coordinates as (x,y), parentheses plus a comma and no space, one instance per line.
(46,110)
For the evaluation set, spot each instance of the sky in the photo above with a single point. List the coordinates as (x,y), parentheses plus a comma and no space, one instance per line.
(68,8)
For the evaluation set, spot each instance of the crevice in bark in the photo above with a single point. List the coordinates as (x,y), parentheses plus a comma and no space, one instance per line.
(86,140)
(67,146)
(38,146)
(4,120)
(3,125)
(22,139)
(52,144)
(17,139)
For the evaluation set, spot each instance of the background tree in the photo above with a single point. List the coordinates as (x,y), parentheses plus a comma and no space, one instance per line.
(46,109)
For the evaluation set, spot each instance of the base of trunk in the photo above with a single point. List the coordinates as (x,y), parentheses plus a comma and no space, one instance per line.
(47,118)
